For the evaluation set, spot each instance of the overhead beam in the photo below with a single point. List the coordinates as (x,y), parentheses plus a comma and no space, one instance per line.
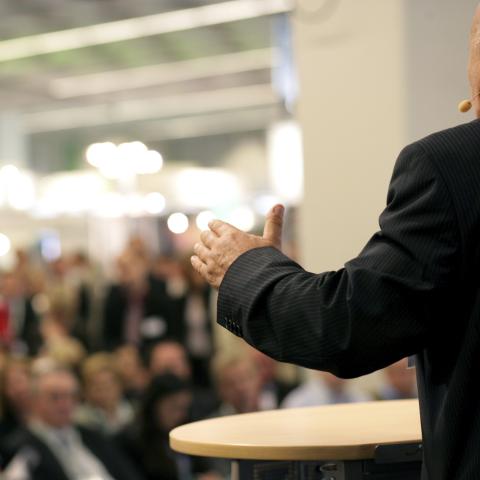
(218,123)
(150,108)
(139,27)
(156,75)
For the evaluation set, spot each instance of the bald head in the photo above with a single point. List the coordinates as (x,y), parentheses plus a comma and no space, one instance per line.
(476,24)
(474,61)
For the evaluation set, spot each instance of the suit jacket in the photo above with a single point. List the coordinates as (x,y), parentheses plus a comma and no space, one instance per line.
(414,289)
(43,464)
(156,303)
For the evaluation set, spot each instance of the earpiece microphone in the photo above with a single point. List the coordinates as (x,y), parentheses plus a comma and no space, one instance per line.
(465,105)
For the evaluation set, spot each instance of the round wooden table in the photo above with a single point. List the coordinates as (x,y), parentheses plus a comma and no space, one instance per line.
(347,432)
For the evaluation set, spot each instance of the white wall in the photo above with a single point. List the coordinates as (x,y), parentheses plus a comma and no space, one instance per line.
(353,116)
(374,76)
(437,34)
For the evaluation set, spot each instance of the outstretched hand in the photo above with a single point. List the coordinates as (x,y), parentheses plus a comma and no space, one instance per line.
(220,246)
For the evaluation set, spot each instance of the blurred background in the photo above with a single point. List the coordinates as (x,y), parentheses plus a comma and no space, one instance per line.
(125,126)
(146,117)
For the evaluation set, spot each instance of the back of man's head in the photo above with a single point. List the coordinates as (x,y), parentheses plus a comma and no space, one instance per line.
(169,356)
(474,62)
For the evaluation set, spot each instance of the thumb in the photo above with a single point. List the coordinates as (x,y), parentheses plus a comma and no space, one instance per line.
(273,226)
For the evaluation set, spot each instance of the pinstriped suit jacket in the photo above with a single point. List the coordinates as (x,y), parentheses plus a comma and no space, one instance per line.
(413,290)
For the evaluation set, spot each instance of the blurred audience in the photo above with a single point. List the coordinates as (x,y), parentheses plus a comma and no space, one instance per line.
(399,383)
(143,348)
(132,372)
(58,343)
(19,324)
(197,325)
(238,384)
(166,405)
(322,388)
(104,409)
(169,270)
(15,395)
(81,280)
(170,356)
(273,390)
(51,447)
(137,309)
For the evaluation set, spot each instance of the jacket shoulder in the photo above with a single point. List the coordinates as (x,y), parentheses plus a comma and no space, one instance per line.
(459,141)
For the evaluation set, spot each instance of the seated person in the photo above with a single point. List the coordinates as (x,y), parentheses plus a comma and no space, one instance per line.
(169,356)
(272,389)
(15,400)
(399,382)
(238,384)
(322,388)
(104,408)
(166,405)
(52,447)
(15,395)
(132,372)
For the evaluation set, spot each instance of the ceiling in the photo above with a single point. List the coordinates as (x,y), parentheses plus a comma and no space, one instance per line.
(189,83)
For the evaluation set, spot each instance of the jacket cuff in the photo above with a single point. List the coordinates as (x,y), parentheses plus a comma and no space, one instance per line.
(241,284)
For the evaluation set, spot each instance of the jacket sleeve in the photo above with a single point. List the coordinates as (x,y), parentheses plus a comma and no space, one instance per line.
(374,311)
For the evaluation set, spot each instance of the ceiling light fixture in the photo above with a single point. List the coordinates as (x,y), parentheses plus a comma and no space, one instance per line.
(140,27)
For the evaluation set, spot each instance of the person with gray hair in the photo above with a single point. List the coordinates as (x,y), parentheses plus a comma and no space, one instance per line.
(52,447)
(412,291)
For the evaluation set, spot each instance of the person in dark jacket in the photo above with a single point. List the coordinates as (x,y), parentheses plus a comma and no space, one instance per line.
(166,405)
(413,290)
(137,310)
(50,446)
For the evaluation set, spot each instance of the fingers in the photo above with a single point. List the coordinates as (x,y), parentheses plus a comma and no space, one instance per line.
(199,266)
(219,228)
(202,269)
(273,225)
(202,252)
(208,238)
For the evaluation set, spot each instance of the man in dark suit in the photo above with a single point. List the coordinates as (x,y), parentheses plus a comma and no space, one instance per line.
(51,447)
(138,310)
(413,290)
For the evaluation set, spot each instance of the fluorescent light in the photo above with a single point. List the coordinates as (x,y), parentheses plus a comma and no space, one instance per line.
(206,188)
(168,73)
(110,205)
(21,194)
(140,27)
(148,108)
(149,162)
(125,160)
(69,194)
(97,153)
(17,188)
